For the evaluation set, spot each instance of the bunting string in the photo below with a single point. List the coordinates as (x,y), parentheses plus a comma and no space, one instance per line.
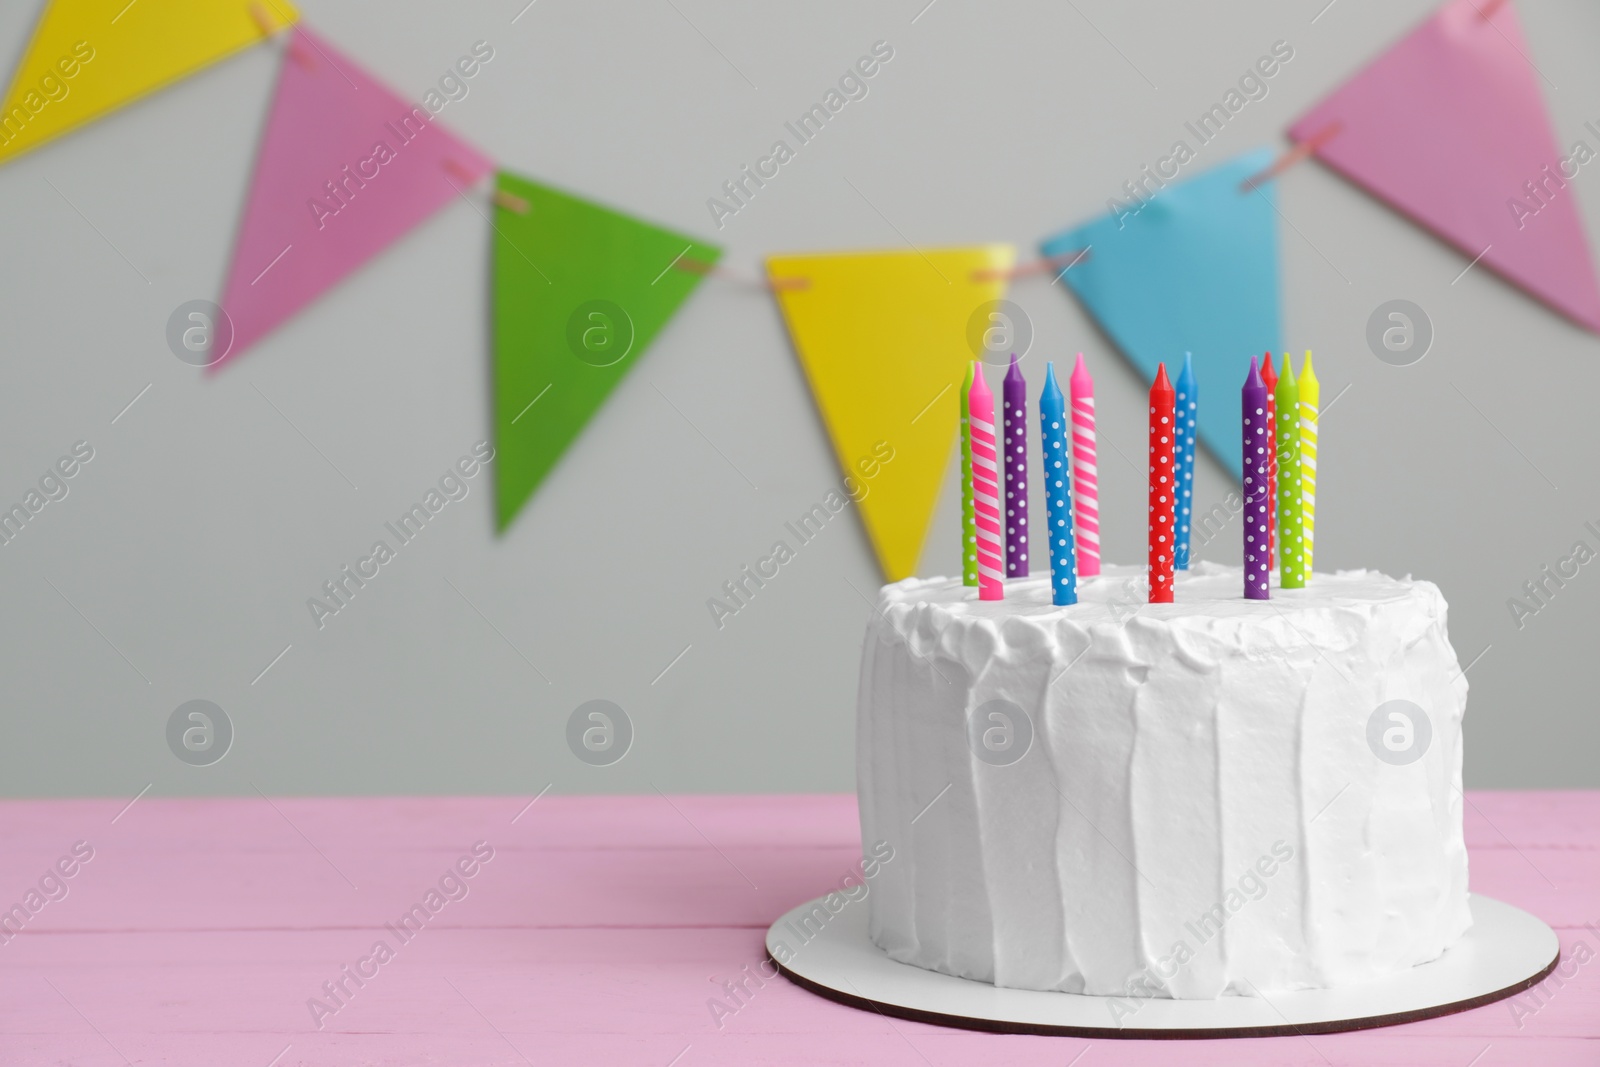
(1440,126)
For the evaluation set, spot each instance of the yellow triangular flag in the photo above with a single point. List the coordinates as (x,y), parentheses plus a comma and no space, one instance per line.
(88,57)
(884,339)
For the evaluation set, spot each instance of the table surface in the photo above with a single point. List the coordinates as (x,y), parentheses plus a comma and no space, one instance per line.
(600,929)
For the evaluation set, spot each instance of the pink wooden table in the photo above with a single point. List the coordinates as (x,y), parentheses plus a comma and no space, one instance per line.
(596,934)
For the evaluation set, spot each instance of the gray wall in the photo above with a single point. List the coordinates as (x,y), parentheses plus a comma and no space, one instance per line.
(179,565)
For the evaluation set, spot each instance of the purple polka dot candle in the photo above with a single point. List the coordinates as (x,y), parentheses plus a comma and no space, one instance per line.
(1257,443)
(1014,395)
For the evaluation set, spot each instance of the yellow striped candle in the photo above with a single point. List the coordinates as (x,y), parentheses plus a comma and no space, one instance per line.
(1310,396)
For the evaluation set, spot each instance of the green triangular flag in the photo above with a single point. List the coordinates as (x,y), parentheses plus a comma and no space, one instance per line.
(580,291)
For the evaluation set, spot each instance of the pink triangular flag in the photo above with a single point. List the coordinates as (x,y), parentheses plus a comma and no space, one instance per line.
(345,167)
(1449,126)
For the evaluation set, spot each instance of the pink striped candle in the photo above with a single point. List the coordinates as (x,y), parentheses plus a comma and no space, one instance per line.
(1086,487)
(985,487)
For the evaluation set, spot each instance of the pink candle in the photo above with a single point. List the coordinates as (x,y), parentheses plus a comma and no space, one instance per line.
(1086,479)
(985,488)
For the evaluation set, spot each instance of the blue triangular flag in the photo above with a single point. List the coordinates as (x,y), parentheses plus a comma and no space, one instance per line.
(1195,269)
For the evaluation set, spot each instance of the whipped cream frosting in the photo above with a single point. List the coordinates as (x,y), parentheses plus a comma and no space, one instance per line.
(1202,805)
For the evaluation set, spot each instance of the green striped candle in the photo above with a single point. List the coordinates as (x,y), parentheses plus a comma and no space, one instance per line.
(1291,501)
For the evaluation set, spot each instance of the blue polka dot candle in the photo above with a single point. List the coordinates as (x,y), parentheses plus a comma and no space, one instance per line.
(1057,490)
(1184,437)
(1014,461)
(1257,441)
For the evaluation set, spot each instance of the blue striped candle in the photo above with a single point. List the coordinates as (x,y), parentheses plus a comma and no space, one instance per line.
(1057,490)
(1183,439)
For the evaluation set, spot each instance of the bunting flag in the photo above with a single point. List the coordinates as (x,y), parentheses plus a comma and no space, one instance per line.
(90,57)
(580,291)
(1449,127)
(884,340)
(345,168)
(1193,269)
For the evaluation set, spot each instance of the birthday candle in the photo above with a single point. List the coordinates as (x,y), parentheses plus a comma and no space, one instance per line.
(1291,509)
(1014,398)
(1086,498)
(1187,409)
(985,488)
(1163,413)
(1269,378)
(1057,490)
(1310,398)
(1257,457)
(969,517)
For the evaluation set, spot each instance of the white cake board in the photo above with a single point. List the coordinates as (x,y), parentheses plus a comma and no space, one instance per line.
(1506,951)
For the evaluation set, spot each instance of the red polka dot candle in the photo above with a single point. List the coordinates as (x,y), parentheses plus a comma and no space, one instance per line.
(1163,495)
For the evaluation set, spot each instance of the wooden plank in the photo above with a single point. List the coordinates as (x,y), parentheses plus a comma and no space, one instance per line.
(1494,819)
(888,1048)
(1560,886)
(1553,818)
(274,823)
(126,888)
(529,981)
(130,887)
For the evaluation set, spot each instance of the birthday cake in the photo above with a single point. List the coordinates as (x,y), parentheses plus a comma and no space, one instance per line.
(1208,797)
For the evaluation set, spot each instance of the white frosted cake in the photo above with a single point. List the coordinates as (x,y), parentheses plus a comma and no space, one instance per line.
(1211,797)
